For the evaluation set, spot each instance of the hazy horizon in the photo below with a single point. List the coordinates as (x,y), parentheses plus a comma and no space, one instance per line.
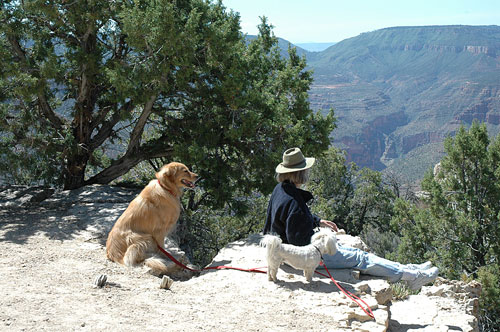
(334,21)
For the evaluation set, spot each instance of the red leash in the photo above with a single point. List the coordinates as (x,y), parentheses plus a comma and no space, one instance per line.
(350,295)
(221,267)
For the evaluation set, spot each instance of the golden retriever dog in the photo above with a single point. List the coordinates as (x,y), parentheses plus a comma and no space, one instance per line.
(134,238)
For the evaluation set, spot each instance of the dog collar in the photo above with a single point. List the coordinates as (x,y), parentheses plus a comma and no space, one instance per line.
(320,254)
(170,191)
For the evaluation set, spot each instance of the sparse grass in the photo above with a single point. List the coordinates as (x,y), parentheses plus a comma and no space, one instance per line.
(400,291)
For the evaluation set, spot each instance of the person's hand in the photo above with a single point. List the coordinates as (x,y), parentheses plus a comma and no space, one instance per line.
(329,224)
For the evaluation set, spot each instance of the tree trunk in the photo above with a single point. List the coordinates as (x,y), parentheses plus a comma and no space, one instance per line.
(74,174)
(79,155)
(133,156)
(124,164)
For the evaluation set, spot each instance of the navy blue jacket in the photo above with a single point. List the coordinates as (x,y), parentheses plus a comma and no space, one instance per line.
(289,217)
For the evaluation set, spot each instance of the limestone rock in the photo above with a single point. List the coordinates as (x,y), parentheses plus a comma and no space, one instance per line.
(89,213)
(448,305)
(321,296)
(445,306)
(378,288)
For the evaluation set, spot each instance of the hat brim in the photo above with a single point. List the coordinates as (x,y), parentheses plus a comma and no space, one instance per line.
(307,163)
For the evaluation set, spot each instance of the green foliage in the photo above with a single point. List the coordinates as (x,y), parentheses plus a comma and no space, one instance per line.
(381,242)
(92,89)
(372,201)
(400,291)
(459,228)
(465,197)
(89,90)
(331,182)
(350,197)
(205,231)
(415,228)
(490,297)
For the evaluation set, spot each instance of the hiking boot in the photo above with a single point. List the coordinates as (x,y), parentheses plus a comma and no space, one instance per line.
(424,277)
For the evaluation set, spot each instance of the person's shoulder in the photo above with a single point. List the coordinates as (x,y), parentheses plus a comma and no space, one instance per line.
(287,188)
(277,188)
(306,195)
(284,192)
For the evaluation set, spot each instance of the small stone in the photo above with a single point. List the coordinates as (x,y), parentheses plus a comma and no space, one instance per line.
(166,282)
(365,288)
(100,280)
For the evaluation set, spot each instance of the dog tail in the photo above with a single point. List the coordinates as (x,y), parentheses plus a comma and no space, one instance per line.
(271,242)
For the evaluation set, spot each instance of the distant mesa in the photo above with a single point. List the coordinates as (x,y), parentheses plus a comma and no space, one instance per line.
(398,92)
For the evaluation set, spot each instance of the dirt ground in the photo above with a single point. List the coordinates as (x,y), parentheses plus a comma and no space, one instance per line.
(49,258)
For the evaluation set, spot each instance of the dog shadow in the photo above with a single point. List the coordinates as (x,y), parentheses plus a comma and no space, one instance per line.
(319,283)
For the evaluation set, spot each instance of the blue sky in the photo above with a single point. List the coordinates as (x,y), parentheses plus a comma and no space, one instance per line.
(303,21)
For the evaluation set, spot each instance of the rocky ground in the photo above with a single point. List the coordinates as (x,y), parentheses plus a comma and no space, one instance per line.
(52,250)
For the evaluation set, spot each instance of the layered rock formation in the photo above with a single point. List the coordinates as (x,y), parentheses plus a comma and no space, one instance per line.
(398,92)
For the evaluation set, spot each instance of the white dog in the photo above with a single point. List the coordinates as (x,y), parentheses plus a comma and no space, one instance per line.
(305,258)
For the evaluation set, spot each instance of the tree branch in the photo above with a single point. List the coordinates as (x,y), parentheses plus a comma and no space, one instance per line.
(124,164)
(54,119)
(157,154)
(107,126)
(133,155)
(56,29)
(135,137)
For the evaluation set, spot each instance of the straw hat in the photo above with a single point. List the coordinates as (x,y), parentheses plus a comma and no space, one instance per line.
(293,161)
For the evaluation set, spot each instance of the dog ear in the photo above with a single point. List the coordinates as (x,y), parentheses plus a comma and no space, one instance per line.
(331,245)
(166,173)
(320,236)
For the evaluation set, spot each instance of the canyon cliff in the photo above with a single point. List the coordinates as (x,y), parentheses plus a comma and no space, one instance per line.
(399,92)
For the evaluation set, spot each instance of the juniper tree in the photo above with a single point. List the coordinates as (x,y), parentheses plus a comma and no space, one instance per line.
(351,197)
(463,201)
(90,88)
(459,226)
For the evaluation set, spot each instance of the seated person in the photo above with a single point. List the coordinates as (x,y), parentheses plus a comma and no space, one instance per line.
(289,217)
